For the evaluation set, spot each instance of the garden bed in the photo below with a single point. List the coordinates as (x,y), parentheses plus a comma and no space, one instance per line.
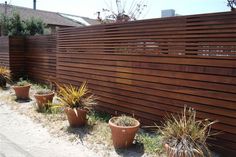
(96,135)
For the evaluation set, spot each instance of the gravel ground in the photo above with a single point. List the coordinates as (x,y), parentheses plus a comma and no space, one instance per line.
(51,133)
(20,137)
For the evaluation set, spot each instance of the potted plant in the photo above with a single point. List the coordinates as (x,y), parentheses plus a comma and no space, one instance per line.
(21,89)
(123,129)
(77,102)
(43,98)
(184,136)
(5,76)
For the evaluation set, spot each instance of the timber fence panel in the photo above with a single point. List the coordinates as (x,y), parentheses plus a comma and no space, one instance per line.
(151,68)
(41,57)
(4,51)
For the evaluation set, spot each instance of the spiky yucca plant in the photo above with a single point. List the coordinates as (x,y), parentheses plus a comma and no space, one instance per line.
(74,97)
(186,135)
(5,76)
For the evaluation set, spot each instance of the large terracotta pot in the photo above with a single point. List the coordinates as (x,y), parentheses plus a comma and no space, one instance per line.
(170,152)
(22,92)
(74,120)
(43,99)
(123,136)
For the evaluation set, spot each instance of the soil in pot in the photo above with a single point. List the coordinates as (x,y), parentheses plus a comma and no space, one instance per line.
(22,92)
(123,136)
(43,99)
(76,120)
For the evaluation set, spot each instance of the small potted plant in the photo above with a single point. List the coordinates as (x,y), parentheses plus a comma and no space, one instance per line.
(184,136)
(21,89)
(43,98)
(123,130)
(76,102)
(5,76)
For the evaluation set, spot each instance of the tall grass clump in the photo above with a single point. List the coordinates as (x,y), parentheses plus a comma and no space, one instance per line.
(184,135)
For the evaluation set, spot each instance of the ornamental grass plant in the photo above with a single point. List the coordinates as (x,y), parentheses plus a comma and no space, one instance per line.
(74,97)
(185,135)
(5,76)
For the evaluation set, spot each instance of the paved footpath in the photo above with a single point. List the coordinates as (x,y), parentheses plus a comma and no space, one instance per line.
(20,137)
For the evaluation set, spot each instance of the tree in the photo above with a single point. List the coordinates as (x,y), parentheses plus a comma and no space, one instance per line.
(34,26)
(14,26)
(5,24)
(122,13)
(232,4)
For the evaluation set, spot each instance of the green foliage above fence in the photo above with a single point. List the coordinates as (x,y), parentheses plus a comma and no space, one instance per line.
(14,26)
(34,26)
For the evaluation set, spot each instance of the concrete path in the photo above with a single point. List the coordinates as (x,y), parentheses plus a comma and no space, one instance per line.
(20,137)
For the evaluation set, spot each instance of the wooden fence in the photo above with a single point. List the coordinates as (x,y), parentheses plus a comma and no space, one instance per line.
(40,52)
(147,68)
(153,67)
(33,57)
(17,57)
(4,51)
(12,54)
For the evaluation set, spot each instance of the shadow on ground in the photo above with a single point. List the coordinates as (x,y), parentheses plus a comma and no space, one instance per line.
(137,150)
(23,100)
(80,132)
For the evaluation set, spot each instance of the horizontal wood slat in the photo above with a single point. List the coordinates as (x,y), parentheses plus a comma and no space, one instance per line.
(16,56)
(4,51)
(12,55)
(41,57)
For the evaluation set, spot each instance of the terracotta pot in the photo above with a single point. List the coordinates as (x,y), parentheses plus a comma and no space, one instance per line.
(74,120)
(170,150)
(123,136)
(43,99)
(22,92)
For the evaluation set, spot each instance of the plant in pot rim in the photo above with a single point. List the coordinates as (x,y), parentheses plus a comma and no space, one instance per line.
(76,102)
(5,76)
(123,129)
(43,98)
(185,136)
(22,89)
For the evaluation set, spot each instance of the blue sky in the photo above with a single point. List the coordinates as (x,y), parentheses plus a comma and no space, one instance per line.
(89,8)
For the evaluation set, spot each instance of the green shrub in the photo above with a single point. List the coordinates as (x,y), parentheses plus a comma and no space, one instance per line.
(34,26)
(16,26)
(13,25)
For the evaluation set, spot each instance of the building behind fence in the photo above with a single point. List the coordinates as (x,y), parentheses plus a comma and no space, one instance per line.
(145,68)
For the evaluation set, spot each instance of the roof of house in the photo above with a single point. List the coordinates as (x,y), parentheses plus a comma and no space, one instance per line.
(51,18)
(83,20)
